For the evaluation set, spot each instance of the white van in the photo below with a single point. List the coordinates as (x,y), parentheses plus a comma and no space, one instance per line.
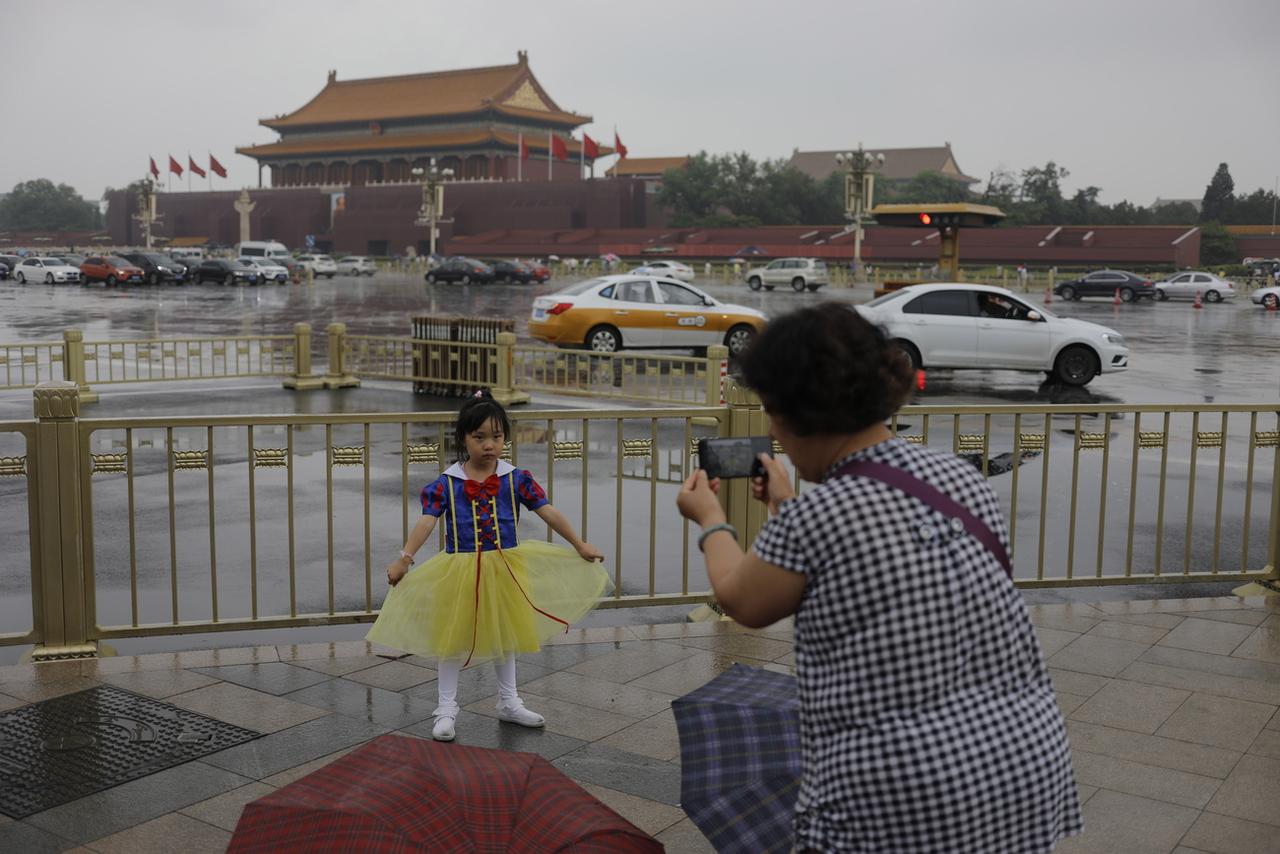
(262,249)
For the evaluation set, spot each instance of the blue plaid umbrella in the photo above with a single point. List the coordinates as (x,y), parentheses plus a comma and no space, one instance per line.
(740,759)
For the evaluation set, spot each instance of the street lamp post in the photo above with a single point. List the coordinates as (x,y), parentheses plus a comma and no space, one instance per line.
(859,188)
(429,214)
(146,215)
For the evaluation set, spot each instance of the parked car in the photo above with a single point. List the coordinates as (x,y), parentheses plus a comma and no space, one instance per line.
(541,272)
(269,249)
(357,265)
(47,270)
(1262,265)
(11,262)
(4,271)
(1186,285)
(510,271)
(963,326)
(667,269)
(629,311)
(319,265)
(188,255)
(268,269)
(225,271)
(111,269)
(1269,297)
(158,268)
(72,260)
(461,269)
(1105,283)
(800,273)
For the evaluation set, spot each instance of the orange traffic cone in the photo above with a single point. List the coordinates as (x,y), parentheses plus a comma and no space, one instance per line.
(1197,303)
(1116,299)
(1048,296)
(1272,304)
(919,380)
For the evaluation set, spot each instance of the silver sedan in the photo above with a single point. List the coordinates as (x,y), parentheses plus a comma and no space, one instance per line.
(1186,285)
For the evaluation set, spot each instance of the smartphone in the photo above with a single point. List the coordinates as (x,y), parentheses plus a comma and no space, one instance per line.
(734,457)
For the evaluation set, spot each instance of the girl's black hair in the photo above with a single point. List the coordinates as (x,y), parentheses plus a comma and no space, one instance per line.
(478,410)
(827,370)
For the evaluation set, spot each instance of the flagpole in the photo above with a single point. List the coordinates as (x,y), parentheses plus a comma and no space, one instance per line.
(189,162)
(582,156)
(520,157)
(549,155)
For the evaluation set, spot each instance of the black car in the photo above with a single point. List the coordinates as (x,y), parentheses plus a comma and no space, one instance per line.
(227,272)
(10,262)
(159,268)
(460,269)
(510,271)
(4,271)
(1106,283)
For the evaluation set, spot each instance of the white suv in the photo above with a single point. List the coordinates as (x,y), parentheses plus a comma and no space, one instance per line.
(357,265)
(799,273)
(980,327)
(319,265)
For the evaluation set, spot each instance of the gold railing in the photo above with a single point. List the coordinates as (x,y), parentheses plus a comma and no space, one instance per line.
(152,359)
(28,365)
(236,522)
(634,376)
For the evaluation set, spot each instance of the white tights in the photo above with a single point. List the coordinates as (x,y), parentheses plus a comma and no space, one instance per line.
(447,684)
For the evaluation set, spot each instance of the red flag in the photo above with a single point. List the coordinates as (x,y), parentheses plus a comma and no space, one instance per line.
(155,170)
(524,148)
(558,149)
(590,148)
(216,167)
(191,164)
(175,167)
(617,144)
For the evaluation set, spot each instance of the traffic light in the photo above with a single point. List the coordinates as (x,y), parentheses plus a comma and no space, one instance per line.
(926,219)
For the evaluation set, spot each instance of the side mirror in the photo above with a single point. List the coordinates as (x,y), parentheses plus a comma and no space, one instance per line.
(1034,316)
(707,301)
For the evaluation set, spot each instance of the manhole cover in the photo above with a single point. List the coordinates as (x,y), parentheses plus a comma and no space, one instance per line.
(71,746)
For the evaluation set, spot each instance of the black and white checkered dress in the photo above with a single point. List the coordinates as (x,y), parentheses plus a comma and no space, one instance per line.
(928,721)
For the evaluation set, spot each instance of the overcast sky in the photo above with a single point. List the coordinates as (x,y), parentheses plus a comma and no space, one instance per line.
(1142,98)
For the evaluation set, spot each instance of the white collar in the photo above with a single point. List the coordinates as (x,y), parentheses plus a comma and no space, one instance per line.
(455,470)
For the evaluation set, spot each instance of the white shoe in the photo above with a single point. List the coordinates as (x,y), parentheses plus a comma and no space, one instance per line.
(518,714)
(443,730)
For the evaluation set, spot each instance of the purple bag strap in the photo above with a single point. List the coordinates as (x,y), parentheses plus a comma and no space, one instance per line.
(935,498)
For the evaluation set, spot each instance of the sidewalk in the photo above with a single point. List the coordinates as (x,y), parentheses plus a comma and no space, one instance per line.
(1171,704)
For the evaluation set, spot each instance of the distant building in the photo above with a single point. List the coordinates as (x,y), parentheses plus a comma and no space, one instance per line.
(900,164)
(648,169)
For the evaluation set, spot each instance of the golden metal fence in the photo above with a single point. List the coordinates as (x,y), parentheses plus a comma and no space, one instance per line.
(20,618)
(152,359)
(26,365)
(637,376)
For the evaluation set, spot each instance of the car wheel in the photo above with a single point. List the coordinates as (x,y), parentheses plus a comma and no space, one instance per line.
(111,281)
(1067,293)
(1161,295)
(48,278)
(21,277)
(1213,296)
(1076,366)
(797,285)
(1271,301)
(331,275)
(431,278)
(739,339)
(768,287)
(229,280)
(466,280)
(153,279)
(912,353)
(604,339)
(1127,295)
(754,283)
(813,289)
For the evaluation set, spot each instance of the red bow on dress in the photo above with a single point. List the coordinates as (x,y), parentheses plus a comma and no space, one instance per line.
(477,491)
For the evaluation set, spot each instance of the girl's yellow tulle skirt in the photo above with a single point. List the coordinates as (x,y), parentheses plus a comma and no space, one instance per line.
(518,598)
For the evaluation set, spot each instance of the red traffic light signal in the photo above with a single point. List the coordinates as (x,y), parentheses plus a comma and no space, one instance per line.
(926,219)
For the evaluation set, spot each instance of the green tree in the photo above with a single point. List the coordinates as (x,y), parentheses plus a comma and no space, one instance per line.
(691,192)
(930,186)
(1175,213)
(1256,208)
(1040,195)
(40,205)
(1219,197)
(1217,245)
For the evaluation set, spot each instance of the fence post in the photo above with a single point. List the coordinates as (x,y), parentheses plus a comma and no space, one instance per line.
(302,379)
(717,374)
(745,418)
(336,375)
(1273,544)
(58,545)
(73,364)
(504,390)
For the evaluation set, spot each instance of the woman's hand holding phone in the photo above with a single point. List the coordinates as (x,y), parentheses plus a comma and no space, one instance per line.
(775,487)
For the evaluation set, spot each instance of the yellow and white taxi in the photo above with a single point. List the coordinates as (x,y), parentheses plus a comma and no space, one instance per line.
(631,312)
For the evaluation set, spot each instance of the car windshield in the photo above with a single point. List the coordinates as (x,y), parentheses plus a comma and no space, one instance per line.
(157,259)
(583,287)
(52,262)
(887,298)
(117,261)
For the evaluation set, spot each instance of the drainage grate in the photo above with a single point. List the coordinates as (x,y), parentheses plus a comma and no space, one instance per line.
(72,746)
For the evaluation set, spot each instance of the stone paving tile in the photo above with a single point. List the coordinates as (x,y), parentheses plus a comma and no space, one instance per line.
(562,656)
(49,671)
(1129,631)
(1206,683)
(626,664)
(46,688)
(630,700)
(562,717)
(1177,606)
(7,702)
(297,772)
(339,666)
(246,708)
(1052,640)
(1159,621)
(596,634)
(1217,721)
(789,658)
(1246,618)
(271,678)
(479,681)
(1068,617)
(164,835)
(742,646)
(650,816)
(477,730)
(1267,744)
(1212,636)
(22,838)
(693,672)
(377,706)
(1152,749)
(1068,703)
(1084,684)
(624,772)
(1263,644)
(1117,823)
(140,800)
(392,676)
(181,660)
(224,810)
(1131,705)
(677,631)
(655,737)
(325,651)
(1086,792)
(282,750)
(1250,792)
(159,684)
(1134,778)
(683,837)
(1096,655)
(1227,665)
(1220,834)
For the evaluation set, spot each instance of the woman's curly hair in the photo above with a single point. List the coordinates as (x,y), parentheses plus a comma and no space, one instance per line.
(827,370)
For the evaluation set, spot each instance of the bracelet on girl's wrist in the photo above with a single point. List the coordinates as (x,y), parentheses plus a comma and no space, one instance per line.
(711,529)
(406,554)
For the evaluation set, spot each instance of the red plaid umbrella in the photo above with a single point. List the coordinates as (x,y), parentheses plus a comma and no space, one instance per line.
(400,794)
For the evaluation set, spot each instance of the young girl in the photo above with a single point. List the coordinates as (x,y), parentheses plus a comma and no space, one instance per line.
(487,596)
